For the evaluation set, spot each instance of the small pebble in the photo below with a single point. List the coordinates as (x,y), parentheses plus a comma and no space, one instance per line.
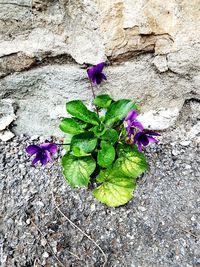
(45,255)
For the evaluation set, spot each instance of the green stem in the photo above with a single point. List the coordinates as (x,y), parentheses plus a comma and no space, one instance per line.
(62,144)
(94,96)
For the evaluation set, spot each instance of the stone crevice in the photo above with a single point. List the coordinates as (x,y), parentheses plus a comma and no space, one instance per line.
(18,62)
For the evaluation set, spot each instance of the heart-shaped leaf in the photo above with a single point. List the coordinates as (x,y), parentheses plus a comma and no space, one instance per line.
(98,130)
(110,136)
(69,125)
(77,109)
(76,151)
(106,154)
(131,162)
(77,171)
(119,110)
(103,101)
(86,142)
(115,190)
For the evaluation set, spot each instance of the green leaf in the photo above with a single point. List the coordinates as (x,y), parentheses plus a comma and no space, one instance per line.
(86,142)
(79,152)
(116,190)
(131,162)
(77,109)
(98,130)
(119,110)
(102,118)
(69,125)
(103,101)
(77,171)
(111,136)
(106,155)
(103,175)
(81,123)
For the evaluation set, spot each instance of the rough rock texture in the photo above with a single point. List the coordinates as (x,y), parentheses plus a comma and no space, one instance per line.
(41,29)
(41,93)
(41,43)
(148,26)
(90,31)
(159,227)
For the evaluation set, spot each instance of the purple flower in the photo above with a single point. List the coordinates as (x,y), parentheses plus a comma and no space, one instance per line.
(131,122)
(144,138)
(42,152)
(95,74)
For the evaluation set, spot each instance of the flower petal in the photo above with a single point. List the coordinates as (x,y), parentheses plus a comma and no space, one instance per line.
(131,115)
(36,159)
(44,146)
(144,140)
(152,140)
(138,125)
(90,73)
(99,67)
(129,132)
(52,148)
(136,137)
(45,158)
(32,149)
(103,76)
(139,146)
(98,79)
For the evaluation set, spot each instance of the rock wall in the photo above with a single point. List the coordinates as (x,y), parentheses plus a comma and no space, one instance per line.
(152,49)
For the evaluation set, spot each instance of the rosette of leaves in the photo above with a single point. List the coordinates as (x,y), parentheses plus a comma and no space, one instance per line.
(97,152)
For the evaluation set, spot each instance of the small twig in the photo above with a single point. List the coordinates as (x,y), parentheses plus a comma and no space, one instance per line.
(75,226)
(188,232)
(51,247)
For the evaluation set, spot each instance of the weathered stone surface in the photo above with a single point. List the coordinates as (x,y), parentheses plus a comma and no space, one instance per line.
(15,63)
(194,131)
(160,62)
(51,28)
(90,31)
(160,119)
(41,93)
(130,26)
(7,114)
(55,33)
(6,135)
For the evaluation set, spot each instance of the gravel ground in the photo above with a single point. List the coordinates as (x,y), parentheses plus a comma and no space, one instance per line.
(159,227)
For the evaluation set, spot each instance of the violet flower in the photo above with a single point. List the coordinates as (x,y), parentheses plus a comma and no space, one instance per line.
(95,74)
(42,152)
(131,122)
(144,138)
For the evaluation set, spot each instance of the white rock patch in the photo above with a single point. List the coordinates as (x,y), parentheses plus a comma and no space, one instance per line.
(160,119)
